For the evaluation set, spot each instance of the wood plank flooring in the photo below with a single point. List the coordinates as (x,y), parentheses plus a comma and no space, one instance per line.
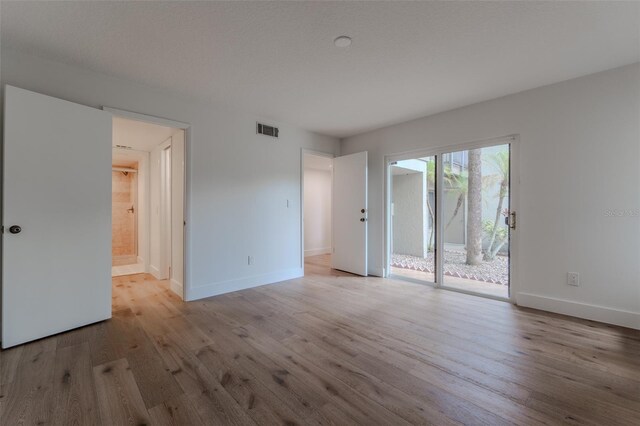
(330,348)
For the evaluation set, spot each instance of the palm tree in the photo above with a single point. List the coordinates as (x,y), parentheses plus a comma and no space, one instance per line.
(458,182)
(474,208)
(499,160)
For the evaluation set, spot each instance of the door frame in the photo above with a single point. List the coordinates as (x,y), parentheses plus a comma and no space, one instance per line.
(514,195)
(165,208)
(186,127)
(303,152)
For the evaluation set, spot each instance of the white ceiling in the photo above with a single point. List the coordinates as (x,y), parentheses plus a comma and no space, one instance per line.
(139,135)
(277,59)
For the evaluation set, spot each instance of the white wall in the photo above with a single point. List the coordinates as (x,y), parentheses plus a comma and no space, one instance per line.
(177,212)
(579,160)
(238,183)
(317,211)
(157,237)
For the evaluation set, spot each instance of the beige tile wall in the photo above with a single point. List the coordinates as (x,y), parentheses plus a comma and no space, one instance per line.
(123,239)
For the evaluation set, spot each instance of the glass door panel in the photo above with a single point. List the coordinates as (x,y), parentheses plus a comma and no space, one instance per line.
(413,218)
(475,214)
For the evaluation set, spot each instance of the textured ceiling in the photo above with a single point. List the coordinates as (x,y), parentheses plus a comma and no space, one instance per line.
(277,59)
(139,135)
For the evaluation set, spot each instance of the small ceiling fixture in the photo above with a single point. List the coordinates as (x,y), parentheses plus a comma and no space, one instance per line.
(342,41)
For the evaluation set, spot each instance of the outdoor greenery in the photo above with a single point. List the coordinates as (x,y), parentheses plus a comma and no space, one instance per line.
(499,235)
(471,185)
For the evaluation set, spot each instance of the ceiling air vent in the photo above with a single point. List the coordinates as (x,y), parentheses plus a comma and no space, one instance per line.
(263,129)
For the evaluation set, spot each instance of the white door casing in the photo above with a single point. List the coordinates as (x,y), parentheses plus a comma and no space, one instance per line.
(350,211)
(56,272)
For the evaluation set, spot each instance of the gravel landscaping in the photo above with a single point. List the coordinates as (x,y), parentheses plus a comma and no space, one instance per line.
(496,271)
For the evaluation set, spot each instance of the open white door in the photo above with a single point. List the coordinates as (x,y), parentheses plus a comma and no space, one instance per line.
(56,272)
(350,213)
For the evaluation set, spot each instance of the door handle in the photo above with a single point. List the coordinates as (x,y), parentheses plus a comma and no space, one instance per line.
(510,220)
(362,219)
(15,229)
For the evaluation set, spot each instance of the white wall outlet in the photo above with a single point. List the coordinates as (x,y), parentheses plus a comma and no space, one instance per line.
(573,278)
(249,260)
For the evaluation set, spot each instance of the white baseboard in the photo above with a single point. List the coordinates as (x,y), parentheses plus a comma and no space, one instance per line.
(580,310)
(176,287)
(317,252)
(229,286)
(155,272)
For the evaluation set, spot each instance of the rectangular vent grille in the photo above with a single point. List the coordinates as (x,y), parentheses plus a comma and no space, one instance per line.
(263,129)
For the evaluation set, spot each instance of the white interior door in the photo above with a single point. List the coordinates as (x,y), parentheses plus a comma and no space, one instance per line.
(56,272)
(350,213)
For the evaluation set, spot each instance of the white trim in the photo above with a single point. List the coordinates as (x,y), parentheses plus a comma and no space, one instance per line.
(165,153)
(155,272)
(317,252)
(438,260)
(176,287)
(581,310)
(386,223)
(304,151)
(514,206)
(223,287)
(444,149)
(146,118)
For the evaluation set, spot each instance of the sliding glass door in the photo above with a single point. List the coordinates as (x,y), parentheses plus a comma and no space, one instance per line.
(450,218)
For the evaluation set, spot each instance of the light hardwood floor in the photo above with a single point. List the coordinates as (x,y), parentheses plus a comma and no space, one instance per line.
(329,348)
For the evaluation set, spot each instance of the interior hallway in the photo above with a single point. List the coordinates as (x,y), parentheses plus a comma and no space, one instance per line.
(330,348)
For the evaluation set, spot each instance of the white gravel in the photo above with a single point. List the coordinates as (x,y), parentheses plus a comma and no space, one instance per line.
(496,271)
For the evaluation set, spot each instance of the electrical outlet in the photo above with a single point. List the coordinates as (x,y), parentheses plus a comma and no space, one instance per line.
(573,278)
(250,260)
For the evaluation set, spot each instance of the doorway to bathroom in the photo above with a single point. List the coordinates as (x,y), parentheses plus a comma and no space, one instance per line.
(124,216)
(148,186)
